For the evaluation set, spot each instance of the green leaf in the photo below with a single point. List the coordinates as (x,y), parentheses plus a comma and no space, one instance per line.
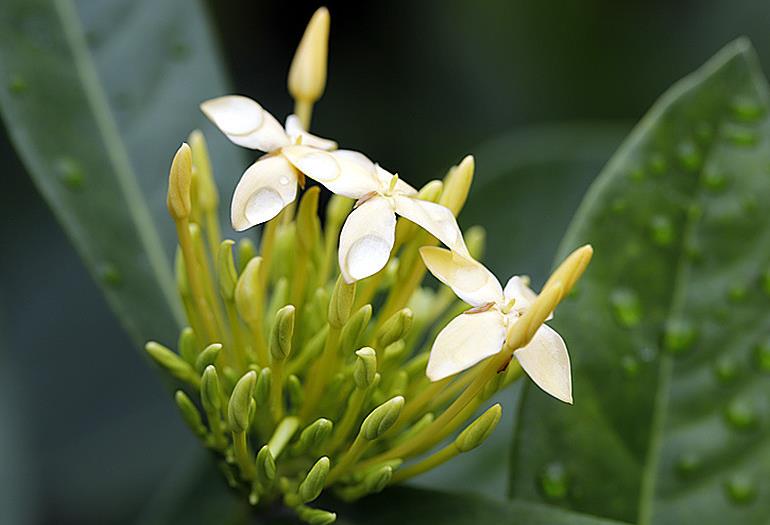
(668,330)
(96,121)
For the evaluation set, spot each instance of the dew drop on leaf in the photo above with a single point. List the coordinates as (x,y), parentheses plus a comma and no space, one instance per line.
(737,293)
(688,463)
(110,275)
(689,156)
(714,180)
(70,173)
(553,481)
(726,369)
(626,307)
(741,489)
(630,366)
(746,108)
(740,136)
(740,414)
(658,164)
(662,230)
(679,335)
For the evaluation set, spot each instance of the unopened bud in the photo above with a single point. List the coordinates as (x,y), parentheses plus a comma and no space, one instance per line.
(282,333)
(395,328)
(248,292)
(188,345)
(475,240)
(226,272)
(457,184)
(210,392)
(240,402)
(208,197)
(246,252)
(265,465)
(365,368)
(295,392)
(313,516)
(313,484)
(354,328)
(337,210)
(208,356)
(382,418)
(341,302)
(478,431)
(308,224)
(314,435)
(175,365)
(378,479)
(262,390)
(307,75)
(179,182)
(190,414)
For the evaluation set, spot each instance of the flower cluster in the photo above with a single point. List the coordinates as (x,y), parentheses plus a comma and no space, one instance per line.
(286,370)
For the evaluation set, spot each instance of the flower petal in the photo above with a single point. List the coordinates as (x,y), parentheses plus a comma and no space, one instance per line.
(265,188)
(438,220)
(343,172)
(245,122)
(518,288)
(366,239)
(298,135)
(466,340)
(546,361)
(469,279)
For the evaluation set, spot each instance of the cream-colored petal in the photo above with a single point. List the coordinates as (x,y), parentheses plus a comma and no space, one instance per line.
(342,172)
(245,122)
(264,190)
(298,135)
(466,340)
(546,361)
(438,220)
(469,279)
(367,239)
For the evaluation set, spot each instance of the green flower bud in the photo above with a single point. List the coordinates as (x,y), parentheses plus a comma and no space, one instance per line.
(265,465)
(378,479)
(395,328)
(262,390)
(366,367)
(475,240)
(341,302)
(226,273)
(313,484)
(314,435)
(208,356)
(457,184)
(295,392)
(395,352)
(308,224)
(478,431)
(240,401)
(175,365)
(190,414)
(279,296)
(382,418)
(282,333)
(246,252)
(248,292)
(188,345)
(208,197)
(338,209)
(315,516)
(179,182)
(210,392)
(355,328)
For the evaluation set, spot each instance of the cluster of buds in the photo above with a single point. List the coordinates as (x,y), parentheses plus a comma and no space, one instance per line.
(286,371)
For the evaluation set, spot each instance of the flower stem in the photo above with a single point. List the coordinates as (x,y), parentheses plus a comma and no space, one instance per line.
(429,463)
(194,281)
(320,373)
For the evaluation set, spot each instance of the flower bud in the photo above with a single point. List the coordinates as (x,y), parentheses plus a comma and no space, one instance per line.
(295,392)
(341,302)
(478,431)
(307,75)
(188,345)
(190,414)
(262,390)
(354,328)
(395,328)
(179,182)
(208,356)
(315,516)
(313,484)
(457,184)
(337,210)
(248,292)
(246,252)
(308,224)
(365,368)
(226,273)
(265,465)
(208,197)
(382,418)
(175,365)
(210,392)
(240,401)
(475,240)
(314,435)
(378,479)
(282,333)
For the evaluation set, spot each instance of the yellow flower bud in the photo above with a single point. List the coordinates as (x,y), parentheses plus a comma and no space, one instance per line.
(307,75)
(457,184)
(179,182)
(208,197)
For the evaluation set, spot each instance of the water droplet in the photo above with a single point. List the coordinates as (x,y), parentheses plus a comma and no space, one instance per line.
(688,463)
(636,174)
(714,180)
(70,173)
(662,230)
(737,293)
(17,85)
(679,336)
(740,414)
(110,275)
(746,108)
(553,481)
(741,489)
(762,356)
(658,163)
(689,156)
(726,369)
(704,131)
(626,307)
(740,136)
(367,256)
(619,205)
(630,366)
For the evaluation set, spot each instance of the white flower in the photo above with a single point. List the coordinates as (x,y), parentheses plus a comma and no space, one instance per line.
(368,234)
(270,184)
(480,332)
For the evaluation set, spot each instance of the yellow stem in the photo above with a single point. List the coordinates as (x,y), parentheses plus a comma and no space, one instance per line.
(194,281)
(320,373)
(429,463)
(276,390)
(348,459)
(304,110)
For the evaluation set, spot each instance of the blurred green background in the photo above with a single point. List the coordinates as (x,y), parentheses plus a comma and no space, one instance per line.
(541,93)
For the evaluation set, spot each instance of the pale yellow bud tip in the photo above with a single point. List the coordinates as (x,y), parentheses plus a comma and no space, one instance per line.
(179,182)
(307,75)
(457,185)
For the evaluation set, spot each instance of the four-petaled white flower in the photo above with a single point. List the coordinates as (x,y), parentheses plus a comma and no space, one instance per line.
(481,331)
(368,234)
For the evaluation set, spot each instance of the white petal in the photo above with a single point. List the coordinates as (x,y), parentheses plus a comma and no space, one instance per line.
(518,289)
(436,219)
(264,190)
(298,135)
(546,361)
(402,188)
(245,122)
(366,239)
(466,340)
(343,172)
(469,279)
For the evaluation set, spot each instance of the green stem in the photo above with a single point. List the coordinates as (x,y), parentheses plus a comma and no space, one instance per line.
(276,390)
(429,463)
(320,373)
(194,281)
(282,435)
(242,455)
(348,459)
